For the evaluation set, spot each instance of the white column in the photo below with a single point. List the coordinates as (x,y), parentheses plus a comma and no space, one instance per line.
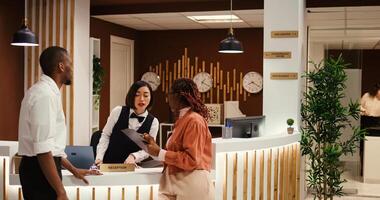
(82,95)
(281,98)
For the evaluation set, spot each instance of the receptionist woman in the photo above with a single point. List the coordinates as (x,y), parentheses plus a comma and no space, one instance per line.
(114,146)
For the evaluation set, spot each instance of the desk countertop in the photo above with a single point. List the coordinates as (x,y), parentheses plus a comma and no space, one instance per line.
(142,176)
(241,144)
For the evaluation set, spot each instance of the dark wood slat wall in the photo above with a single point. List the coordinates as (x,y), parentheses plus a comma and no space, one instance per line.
(43,21)
(154,47)
(11,68)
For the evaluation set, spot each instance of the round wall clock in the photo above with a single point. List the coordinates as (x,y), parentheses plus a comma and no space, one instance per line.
(203,81)
(152,78)
(253,82)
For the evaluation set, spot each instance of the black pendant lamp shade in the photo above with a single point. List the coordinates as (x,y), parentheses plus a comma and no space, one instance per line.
(24,36)
(230,44)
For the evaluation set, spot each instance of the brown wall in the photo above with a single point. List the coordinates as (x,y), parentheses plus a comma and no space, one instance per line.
(152,47)
(11,69)
(367,60)
(157,46)
(103,30)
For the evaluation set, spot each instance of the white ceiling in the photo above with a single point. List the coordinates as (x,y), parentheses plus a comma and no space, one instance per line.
(337,27)
(175,21)
(345,27)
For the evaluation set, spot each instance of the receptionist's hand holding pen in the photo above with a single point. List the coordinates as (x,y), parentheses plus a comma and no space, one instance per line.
(153,148)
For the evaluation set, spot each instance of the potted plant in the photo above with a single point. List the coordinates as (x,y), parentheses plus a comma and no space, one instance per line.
(324,117)
(290,123)
(97,84)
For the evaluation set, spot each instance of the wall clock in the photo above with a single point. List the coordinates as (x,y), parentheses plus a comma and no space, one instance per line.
(203,81)
(152,79)
(253,82)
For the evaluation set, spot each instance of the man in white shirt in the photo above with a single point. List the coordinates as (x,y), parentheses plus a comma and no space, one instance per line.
(42,130)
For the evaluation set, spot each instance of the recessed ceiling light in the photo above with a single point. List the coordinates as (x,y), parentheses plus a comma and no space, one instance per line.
(215,18)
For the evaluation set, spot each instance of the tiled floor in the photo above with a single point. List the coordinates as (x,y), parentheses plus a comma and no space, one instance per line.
(354,185)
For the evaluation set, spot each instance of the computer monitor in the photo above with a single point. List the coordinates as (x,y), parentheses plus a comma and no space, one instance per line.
(80,156)
(246,127)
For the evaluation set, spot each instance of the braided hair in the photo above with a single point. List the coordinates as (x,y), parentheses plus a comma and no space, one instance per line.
(189,95)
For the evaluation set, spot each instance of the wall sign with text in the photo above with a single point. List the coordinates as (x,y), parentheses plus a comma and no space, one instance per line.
(283,76)
(284,34)
(277,54)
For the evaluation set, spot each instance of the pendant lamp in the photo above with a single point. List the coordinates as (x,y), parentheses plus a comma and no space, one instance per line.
(24,36)
(230,44)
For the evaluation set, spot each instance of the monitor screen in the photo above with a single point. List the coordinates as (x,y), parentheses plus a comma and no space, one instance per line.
(246,127)
(80,156)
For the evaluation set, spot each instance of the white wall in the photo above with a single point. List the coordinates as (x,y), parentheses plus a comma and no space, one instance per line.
(281,98)
(82,95)
(352,92)
(316,54)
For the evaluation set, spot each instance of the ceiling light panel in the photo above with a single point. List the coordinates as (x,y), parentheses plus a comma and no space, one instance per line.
(215,18)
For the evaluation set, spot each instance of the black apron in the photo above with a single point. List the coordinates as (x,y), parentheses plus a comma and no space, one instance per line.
(120,146)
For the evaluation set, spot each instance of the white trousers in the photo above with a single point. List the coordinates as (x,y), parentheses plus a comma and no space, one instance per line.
(186,186)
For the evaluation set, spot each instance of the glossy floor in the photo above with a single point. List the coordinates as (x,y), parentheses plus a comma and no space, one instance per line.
(355,187)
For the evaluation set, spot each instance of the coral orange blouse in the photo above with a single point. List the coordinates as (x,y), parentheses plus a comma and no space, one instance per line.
(189,147)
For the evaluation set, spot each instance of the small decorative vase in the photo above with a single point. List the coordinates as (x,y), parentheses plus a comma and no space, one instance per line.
(290,130)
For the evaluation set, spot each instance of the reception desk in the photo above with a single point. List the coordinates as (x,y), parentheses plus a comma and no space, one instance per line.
(258,168)
(254,168)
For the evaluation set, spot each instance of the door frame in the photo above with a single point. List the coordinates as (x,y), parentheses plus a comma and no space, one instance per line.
(130,65)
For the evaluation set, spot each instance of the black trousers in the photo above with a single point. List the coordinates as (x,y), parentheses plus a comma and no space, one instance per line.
(34,184)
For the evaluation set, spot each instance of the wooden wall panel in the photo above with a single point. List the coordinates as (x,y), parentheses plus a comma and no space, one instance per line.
(11,68)
(43,24)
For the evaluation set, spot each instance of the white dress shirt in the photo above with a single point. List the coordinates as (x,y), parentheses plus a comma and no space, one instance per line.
(42,126)
(133,124)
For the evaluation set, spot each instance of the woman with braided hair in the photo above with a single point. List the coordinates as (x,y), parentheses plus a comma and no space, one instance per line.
(187,157)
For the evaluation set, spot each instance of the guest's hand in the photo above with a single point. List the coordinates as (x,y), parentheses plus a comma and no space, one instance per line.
(153,148)
(81,173)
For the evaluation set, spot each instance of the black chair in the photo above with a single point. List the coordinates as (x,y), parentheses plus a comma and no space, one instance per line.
(95,140)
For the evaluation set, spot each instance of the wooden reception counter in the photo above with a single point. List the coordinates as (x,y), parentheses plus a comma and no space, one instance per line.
(254,168)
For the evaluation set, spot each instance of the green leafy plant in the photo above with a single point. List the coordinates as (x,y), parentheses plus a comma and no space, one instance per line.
(290,122)
(97,84)
(324,117)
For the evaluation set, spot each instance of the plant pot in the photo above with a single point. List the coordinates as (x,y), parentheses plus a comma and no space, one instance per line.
(290,130)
